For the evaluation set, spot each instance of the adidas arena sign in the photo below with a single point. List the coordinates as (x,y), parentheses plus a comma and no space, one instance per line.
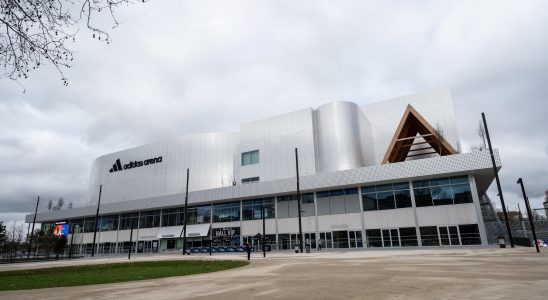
(134,164)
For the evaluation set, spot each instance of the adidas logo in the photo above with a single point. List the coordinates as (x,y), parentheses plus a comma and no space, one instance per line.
(134,164)
(116,167)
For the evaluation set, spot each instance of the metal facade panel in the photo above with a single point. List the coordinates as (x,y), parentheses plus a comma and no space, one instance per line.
(459,164)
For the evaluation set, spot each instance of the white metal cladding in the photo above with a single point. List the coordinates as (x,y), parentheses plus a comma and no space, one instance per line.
(339,139)
(459,164)
(336,136)
(209,156)
(435,106)
(276,139)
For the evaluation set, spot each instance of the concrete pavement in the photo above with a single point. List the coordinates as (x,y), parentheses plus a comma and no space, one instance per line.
(442,273)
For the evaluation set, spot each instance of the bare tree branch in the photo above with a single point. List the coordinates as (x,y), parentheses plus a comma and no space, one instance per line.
(36,32)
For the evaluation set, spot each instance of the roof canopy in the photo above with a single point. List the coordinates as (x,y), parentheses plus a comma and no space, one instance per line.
(414,127)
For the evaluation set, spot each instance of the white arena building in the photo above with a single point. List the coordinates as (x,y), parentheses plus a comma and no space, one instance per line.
(385,174)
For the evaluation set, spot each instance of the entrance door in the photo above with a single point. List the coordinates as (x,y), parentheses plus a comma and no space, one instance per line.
(325,240)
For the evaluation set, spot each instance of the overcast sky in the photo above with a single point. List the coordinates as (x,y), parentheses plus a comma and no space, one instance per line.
(180,67)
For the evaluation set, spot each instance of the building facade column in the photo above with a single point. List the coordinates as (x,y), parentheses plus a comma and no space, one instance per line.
(414,204)
(479,215)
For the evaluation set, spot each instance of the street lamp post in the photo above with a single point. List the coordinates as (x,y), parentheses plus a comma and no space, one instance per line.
(185,216)
(498,181)
(96,220)
(32,232)
(71,241)
(529,215)
(131,238)
(263,215)
(299,201)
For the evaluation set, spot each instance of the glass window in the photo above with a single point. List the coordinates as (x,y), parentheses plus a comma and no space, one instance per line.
(250,179)
(352,191)
(198,214)
(443,191)
(401,186)
(108,223)
(444,236)
(429,236)
(374,238)
(76,225)
(368,189)
(386,238)
(335,193)
(439,181)
(441,195)
(226,212)
(322,194)
(369,202)
(408,236)
(150,219)
(462,193)
(385,200)
(403,198)
(421,183)
(172,217)
(308,198)
(460,179)
(388,196)
(127,220)
(469,234)
(384,188)
(422,196)
(89,225)
(251,209)
(250,157)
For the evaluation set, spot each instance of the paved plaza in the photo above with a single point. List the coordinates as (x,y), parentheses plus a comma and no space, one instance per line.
(474,273)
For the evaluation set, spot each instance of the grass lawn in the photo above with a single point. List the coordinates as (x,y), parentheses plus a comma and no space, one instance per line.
(108,273)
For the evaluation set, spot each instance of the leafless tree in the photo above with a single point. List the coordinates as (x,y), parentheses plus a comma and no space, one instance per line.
(50,204)
(481,134)
(69,206)
(60,204)
(36,32)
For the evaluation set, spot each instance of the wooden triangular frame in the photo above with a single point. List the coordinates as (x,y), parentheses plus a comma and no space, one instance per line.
(413,125)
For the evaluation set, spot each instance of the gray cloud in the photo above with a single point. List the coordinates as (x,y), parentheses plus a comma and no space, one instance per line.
(188,67)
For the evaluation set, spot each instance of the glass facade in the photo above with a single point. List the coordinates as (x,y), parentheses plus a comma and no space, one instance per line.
(442,191)
(386,196)
(251,209)
(150,219)
(172,217)
(198,214)
(431,192)
(128,220)
(226,212)
(108,223)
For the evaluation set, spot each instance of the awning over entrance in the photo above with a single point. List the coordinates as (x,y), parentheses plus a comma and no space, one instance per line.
(196,230)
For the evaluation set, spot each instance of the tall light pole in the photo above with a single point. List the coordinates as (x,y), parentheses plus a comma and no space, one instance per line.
(185,217)
(131,239)
(299,201)
(529,215)
(32,232)
(71,241)
(264,216)
(498,181)
(96,220)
